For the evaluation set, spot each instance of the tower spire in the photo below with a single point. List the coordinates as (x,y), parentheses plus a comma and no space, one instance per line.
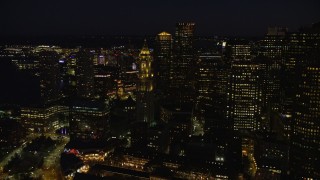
(145,44)
(145,50)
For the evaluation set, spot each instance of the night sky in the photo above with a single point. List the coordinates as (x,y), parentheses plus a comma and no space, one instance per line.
(148,17)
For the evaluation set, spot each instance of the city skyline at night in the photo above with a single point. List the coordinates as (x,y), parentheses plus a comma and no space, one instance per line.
(158,91)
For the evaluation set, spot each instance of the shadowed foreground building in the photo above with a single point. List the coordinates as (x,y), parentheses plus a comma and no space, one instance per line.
(89,121)
(11,132)
(212,157)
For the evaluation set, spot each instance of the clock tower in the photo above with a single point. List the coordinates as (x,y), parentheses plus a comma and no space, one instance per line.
(145,97)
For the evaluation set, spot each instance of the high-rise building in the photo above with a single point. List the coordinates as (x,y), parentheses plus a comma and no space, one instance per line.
(183,63)
(105,80)
(163,60)
(274,43)
(211,83)
(244,95)
(71,63)
(184,40)
(299,45)
(272,50)
(305,158)
(270,76)
(49,75)
(277,74)
(301,92)
(84,74)
(145,102)
(240,49)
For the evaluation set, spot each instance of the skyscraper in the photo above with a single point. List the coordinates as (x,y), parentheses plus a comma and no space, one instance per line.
(244,96)
(145,104)
(49,75)
(183,63)
(71,63)
(305,152)
(84,74)
(274,43)
(163,60)
(304,48)
(211,83)
(270,72)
